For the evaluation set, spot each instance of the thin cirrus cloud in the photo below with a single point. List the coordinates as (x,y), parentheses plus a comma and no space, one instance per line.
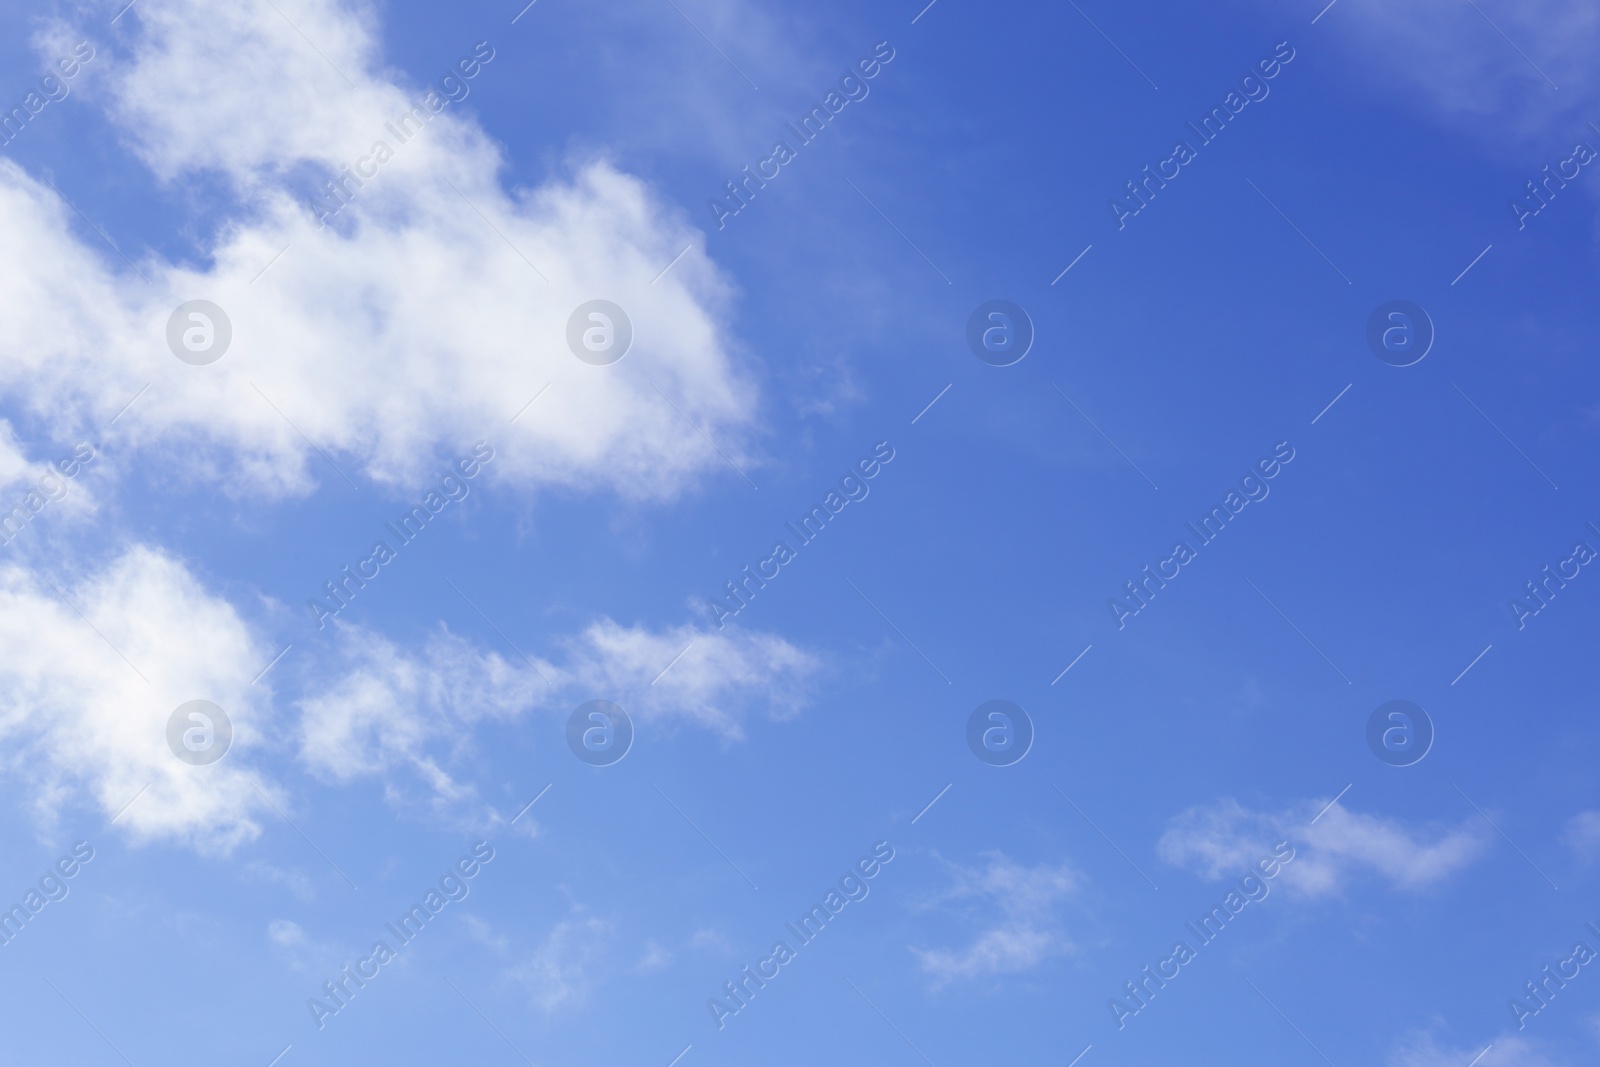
(419,320)
(1225,839)
(567,964)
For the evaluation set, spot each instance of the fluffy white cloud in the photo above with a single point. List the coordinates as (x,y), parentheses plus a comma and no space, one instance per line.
(1225,839)
(198,69)
(421,319)
(1016,905)
(85,699)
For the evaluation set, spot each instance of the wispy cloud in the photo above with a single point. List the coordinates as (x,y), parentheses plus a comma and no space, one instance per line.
(1492,69)
(1220,840)
(410,715)
(564,969)
(1422,1049)
(1582,836)
(1015,908)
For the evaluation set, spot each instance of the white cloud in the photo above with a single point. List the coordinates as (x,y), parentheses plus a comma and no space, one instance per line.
(1450,58)
(286,933)
(655,957)
(408,329)
(415,324)
(15,467)
(242,88)
(84,700)
(1023,935)
(1582,836)
(711,685)
(296,881)
(561,973)
(76,716)
(709,940)
(1420,1049)
(29,487)
(391,709)
(1225,839)
(486,935)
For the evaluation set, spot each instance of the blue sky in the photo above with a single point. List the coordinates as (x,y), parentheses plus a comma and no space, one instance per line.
(174,513)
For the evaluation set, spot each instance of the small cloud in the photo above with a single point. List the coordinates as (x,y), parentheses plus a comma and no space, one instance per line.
(1582,836)
(410,716)
(286,933)
(1225,839)
(561,973)
(654,959)
(1421,1049)
(1026,932)
(1459,68)
(710,941)
(295,881)
(484,934)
